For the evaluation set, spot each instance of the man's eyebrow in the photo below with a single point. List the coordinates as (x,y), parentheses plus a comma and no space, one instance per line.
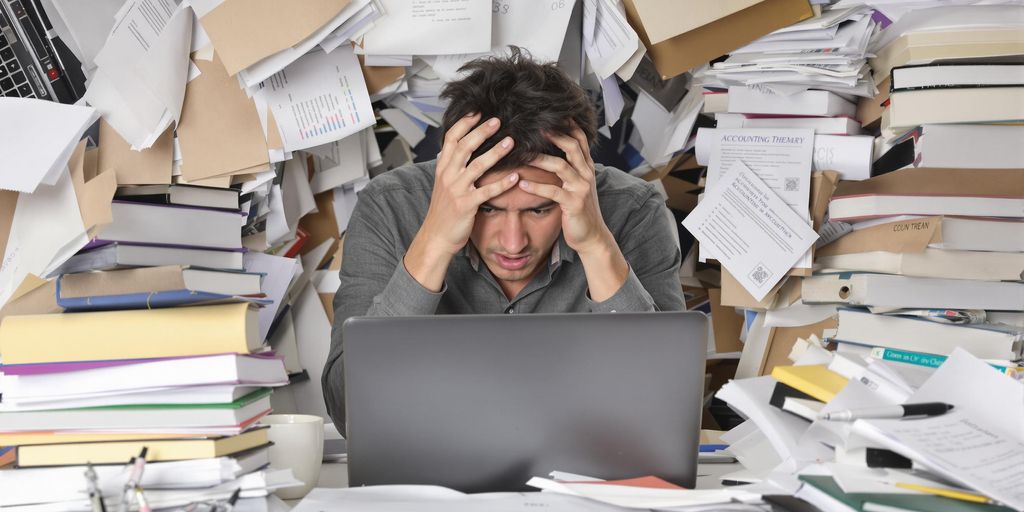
(543,206)
(491,206)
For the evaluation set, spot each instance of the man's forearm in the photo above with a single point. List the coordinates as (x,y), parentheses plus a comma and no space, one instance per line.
(606,269)
(427,264)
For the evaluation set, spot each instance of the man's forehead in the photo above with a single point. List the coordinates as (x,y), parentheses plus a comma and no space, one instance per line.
(526,172)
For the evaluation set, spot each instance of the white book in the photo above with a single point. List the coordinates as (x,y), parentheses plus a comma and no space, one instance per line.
(745,100)
(912,292)
(970,146)
(953,75)
(910,108)
(982,266)
(923,336)
(174,225)
(120,255)
(200,416)
(856,207)
(820,125)
(155,375)
(806,409)
(178,395)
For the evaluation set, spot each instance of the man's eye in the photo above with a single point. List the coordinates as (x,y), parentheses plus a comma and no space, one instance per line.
(539,212)
(486,209)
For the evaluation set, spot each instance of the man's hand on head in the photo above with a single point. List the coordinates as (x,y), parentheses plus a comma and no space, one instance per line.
(582,224)
(455,199)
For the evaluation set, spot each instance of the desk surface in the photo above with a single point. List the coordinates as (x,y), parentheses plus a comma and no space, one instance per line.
(336,475)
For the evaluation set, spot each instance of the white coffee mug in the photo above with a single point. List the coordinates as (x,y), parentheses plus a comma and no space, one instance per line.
(298,445)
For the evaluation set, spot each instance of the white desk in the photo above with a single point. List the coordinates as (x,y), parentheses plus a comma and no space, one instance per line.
(336,475)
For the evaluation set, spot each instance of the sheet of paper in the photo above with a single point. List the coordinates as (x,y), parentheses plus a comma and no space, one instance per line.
(47,230)
(279,272)
(262,70)
(319,98)
(313,338)
(338,163)
(959,448)
(608,39)
(537,26)
(781,158)
(37,138)
(247,31)
(88,23)
(145,59)
(355,26)
(751,230)
(425,27)
(410,129)
(430,498)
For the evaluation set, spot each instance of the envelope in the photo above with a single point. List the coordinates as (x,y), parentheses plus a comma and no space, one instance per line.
(220,131)
(94,196)
(8,200)
(35,296)
(321,224)
(378,78)
(782,339)
(246,31)
(926,181)
(680,194)
(150,166)
(664,19)
(903,236)
(711,40)
(726,324)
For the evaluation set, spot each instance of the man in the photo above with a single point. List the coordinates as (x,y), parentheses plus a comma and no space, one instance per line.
(513,217)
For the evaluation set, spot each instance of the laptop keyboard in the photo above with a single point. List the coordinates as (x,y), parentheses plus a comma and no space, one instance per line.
(13,81)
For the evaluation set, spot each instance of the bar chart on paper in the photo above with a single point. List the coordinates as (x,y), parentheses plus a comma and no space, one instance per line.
(328,103)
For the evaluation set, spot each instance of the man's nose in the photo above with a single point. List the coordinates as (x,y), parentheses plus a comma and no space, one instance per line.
(513,237)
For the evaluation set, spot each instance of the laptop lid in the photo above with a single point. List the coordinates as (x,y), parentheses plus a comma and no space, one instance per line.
(482,403)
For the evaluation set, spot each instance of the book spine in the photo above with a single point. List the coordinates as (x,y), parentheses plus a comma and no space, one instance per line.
(149,300)
(929,360)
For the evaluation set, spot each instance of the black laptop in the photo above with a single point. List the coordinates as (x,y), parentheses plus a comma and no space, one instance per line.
(32,63)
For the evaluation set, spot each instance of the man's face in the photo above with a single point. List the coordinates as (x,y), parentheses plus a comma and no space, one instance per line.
(515,231)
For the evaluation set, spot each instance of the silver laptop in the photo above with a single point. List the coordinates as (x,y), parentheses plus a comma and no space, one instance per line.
(482,403)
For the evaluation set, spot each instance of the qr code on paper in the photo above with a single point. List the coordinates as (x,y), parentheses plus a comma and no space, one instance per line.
(760,274)
(792,184)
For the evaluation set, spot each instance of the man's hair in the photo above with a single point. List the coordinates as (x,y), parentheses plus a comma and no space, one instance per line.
(528,97)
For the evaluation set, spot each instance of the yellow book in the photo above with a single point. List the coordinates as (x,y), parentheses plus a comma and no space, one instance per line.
(815,380)
(119,452)
(57,437)
(129,334)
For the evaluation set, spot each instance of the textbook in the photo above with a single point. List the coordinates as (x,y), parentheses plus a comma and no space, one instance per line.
(856,207)
(977,265)
(122,255)
(130,334)
(953,146)
(917,335)
(117,452)
(184,226)
(745,100)
(925,76)
(913,107)
(151,417)
(155,287)
(912,292)
(180,194)
(823,492)
(932,360)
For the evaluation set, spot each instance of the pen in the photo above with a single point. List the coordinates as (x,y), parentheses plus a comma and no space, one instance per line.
(889,411)
(946,493)
(95,494)
(138,465)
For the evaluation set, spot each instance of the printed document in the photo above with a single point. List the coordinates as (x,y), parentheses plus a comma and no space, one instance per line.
(431,27)
(781,158)
(752,231)
(318,99)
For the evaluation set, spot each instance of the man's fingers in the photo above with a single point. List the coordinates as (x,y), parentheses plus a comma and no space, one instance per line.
(484,162)
(556,194)
(573,152)
(468,144)
(560,167)
(581,138)
(454,135)
(492,190)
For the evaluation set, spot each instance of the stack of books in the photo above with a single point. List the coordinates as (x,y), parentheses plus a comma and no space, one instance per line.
(169,359)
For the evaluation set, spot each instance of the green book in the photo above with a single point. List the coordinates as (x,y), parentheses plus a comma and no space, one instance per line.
(895,502)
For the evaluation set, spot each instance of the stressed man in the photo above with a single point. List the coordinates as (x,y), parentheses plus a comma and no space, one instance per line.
(512,217)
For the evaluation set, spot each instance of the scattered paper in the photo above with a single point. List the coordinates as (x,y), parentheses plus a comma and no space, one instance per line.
(609,40)
(319,98)
(425,27)
(36,140)
(750,229)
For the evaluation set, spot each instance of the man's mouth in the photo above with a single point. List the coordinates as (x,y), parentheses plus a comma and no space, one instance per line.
(512,262)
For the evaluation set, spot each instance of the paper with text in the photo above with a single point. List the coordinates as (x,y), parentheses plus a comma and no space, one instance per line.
(609,40)
(431,27)
(781,158)
(319,98)
(752,231)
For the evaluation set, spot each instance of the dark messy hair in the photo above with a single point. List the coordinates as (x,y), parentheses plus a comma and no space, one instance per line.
(528,97)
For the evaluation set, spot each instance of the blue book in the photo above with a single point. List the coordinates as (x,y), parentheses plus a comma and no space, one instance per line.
(157,287)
